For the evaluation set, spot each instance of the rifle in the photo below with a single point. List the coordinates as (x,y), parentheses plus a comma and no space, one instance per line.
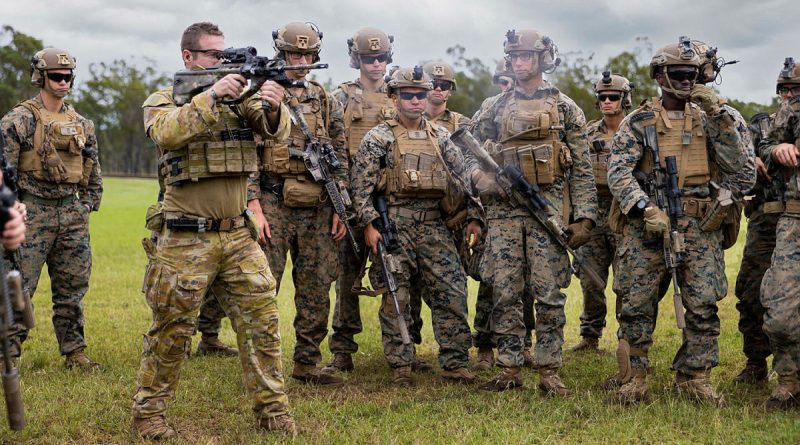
(528,195)
(319,158)
(389,245)
(12,299)
(664,188)
(244,61)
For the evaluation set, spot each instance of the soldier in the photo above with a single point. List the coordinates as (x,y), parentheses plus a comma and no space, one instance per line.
(779,288)
(503,78)
(613,93)
(209,227)
(301,216)
(541,131)
(705,141)
(54,150)
(366,104)
(419,164)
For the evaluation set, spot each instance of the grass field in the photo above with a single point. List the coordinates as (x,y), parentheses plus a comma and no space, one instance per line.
(211,405)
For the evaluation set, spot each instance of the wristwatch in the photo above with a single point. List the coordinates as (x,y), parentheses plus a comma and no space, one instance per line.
(214,95)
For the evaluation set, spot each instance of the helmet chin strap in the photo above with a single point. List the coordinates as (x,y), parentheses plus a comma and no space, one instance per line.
(680,94)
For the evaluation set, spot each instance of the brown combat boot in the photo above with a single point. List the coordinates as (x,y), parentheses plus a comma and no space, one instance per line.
(634,391)
(625,372)
(402,376)
(508,378)
(587,344)
(459,375)
(698,387)
(785,394)
(313,375)
(484,360)
(153,428)
(550,383)
(78,360)
(283,423)
(754,372)
(211,345)
(341,362)
(527,359)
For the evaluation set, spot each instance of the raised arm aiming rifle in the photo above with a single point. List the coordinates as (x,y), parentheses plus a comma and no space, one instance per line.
(513,183)
(388,245)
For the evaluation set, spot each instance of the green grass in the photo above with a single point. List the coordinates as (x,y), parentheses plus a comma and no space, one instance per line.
(211,405)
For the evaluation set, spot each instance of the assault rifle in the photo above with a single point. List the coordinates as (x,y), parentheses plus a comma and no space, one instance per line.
(528,195)
(13,299)
(244,61)
(386,247)
(319,158)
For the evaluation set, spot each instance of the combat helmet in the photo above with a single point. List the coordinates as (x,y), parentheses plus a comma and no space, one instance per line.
(531,40)
(677,54)
(409,77)
(50,59)
(369,42)
(440,71)
(298,37)
(789,75)
(615,82)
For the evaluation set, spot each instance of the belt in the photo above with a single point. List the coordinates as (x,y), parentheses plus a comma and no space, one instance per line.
(192,224)
(56,202)
(774,207)
(417,215)
(792,206)
(696,207)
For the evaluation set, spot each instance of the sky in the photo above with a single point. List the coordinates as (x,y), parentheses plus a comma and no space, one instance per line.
(758,34)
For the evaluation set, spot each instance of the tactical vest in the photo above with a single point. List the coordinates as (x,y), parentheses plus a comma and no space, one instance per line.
(226,148)
(449,125)
(680,134)
(599,151)
(417,170)
(57,137)
(363,111)
(531,138)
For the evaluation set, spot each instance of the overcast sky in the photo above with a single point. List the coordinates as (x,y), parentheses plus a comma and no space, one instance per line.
(760,34)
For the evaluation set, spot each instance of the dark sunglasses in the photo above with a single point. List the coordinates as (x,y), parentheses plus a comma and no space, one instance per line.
(794,89)
(60,77)
(443,85)
(605,97)
(504,82)
(408,96)
(681,76)
(213,53)
(369,60)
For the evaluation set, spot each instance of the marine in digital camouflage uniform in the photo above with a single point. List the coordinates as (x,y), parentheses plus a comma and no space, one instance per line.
(211,220)
(418,164)
(533,121)
(711,146)
(54,150)
(366,104)
(779,288)
(298,209)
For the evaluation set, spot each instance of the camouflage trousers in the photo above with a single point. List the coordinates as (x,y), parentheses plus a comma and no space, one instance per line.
(429,257)
(59,237)
(482,322)
(185,266)
(758,248)
(306,234)
(780,296)
(642,279)
(347,312)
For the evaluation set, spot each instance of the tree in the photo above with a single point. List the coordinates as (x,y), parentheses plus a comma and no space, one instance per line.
(474,80)
(15,64)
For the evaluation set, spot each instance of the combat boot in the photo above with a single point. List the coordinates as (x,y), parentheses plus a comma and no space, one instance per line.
(78,360)
(402,376)
(754,372)
(587,344)
(211,345)
(550,383)
(313,375)
(699,388)
(625,372)
(785,394)
(459,375)
(419,365)
(527,359)
(484,360)
(634,391)
(341,362)
(508,378)
(283,423)
(153,428)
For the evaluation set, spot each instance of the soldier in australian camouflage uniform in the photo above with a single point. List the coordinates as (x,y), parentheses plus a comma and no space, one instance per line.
(54,149)
(418,165)
(781,283)
(706,143)
(537,128)
(210,222)
(301,216)
(613,94)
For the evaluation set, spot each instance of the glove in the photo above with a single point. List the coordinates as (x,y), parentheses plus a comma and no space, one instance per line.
(705,98)
(580,232)
(486,185)
(656,221)
(54,166)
